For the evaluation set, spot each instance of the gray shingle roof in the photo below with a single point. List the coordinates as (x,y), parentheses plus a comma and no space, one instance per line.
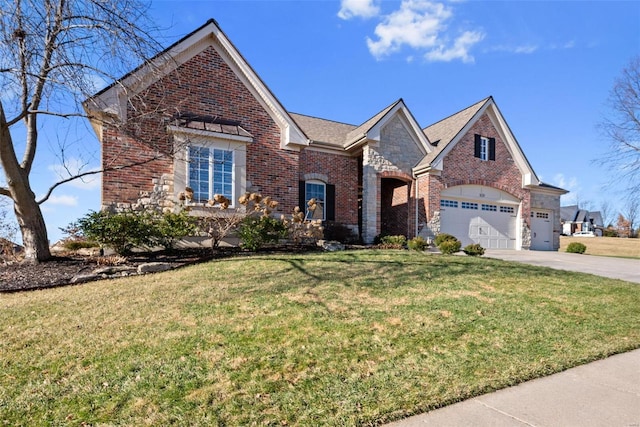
(322,130)
(336,133)
(443,132)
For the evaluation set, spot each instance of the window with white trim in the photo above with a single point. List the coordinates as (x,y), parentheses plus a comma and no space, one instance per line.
(507,209)
(491,208)
(469,205)
(315,190)
(448,203)
(484,148)
(209,172)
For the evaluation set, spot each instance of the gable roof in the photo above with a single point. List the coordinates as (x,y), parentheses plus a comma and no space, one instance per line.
(111,101)
(323,130)
(443,132)
(453,128)
(343,136)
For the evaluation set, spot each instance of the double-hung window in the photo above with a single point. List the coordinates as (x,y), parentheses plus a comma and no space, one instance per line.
(315,190)
(210,171)
(485,148)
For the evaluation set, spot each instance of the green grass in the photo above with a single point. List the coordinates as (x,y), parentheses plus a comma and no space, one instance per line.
(351,338)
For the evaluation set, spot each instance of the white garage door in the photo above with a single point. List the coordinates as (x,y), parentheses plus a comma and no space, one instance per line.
(490,221)
(541,230)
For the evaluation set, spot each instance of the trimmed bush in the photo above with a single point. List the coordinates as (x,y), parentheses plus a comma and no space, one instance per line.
(171,227)
(449,247)
(255,232)
(339,232)
(417,244)
(398,240)
(120,231)
(576,248)
(443,237)
(474,250)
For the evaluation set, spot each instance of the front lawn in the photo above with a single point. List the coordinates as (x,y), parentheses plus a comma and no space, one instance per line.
(350,338)
(605,246)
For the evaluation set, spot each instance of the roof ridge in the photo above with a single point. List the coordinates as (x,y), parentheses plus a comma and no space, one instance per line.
(483,101)
(323,119)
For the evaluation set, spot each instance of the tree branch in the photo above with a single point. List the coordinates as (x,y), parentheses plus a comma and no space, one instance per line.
(94,172)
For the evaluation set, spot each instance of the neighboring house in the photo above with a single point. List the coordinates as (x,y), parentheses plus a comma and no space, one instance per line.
(575,220)
(210,123)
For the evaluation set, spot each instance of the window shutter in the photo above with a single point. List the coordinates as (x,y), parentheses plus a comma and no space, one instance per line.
(301,196)
(330,202)
(476,152)
(492,148)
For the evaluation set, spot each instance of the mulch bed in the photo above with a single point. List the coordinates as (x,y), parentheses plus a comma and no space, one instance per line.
(17,277)
(59,271)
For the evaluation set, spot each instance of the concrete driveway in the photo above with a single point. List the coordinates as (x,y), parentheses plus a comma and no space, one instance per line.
(615,268)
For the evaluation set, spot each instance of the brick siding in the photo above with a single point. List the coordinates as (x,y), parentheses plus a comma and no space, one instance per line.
(205,85)
(460,167)
(342,171)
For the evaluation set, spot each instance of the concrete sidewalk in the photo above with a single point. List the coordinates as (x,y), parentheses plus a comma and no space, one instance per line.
(602,393)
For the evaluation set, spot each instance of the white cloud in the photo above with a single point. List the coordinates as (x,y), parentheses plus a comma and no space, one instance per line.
(358,9)
(75,166)
(421,25)
(525,49)
(571,184)
(63,200)
(459,50)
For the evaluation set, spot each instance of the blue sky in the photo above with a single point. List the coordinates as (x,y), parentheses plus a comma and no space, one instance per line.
(548,64)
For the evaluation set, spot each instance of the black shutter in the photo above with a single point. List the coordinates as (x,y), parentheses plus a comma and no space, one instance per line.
(330,203)
(492,148)
(301,196)
(476,152)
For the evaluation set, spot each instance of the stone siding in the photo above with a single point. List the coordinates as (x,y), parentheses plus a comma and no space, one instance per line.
(549,202)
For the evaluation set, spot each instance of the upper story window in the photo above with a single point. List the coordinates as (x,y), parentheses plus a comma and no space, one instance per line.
(485,148)
(210,171)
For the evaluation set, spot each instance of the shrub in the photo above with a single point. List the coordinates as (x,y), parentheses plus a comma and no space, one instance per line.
(171,227)
(255,232)
(339,232)
(449,246)
(443,237)
(418,244)
(392,242)
(120,231)
(474,250)
(576,248)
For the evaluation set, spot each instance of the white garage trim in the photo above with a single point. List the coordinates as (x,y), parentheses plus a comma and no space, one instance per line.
(477,214)
(541,229)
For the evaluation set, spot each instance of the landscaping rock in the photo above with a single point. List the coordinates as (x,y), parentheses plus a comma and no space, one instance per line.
(86,277)
(115,269)
(153,267)
(331,245)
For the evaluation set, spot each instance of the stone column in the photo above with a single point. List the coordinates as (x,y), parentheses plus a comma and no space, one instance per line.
(370,197)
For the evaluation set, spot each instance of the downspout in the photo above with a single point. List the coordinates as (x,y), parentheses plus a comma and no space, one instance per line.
(415,202)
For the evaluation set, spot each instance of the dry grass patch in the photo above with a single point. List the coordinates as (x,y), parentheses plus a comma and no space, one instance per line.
(605,246)
(352,338)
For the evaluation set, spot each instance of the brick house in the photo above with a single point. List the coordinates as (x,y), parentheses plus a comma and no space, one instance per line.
(201,117)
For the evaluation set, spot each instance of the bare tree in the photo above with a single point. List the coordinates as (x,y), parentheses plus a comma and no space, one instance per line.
(631,211)
(51,54)
(622,127)
(607,213)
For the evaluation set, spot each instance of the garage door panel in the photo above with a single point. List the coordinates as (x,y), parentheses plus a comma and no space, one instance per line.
(491,229)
